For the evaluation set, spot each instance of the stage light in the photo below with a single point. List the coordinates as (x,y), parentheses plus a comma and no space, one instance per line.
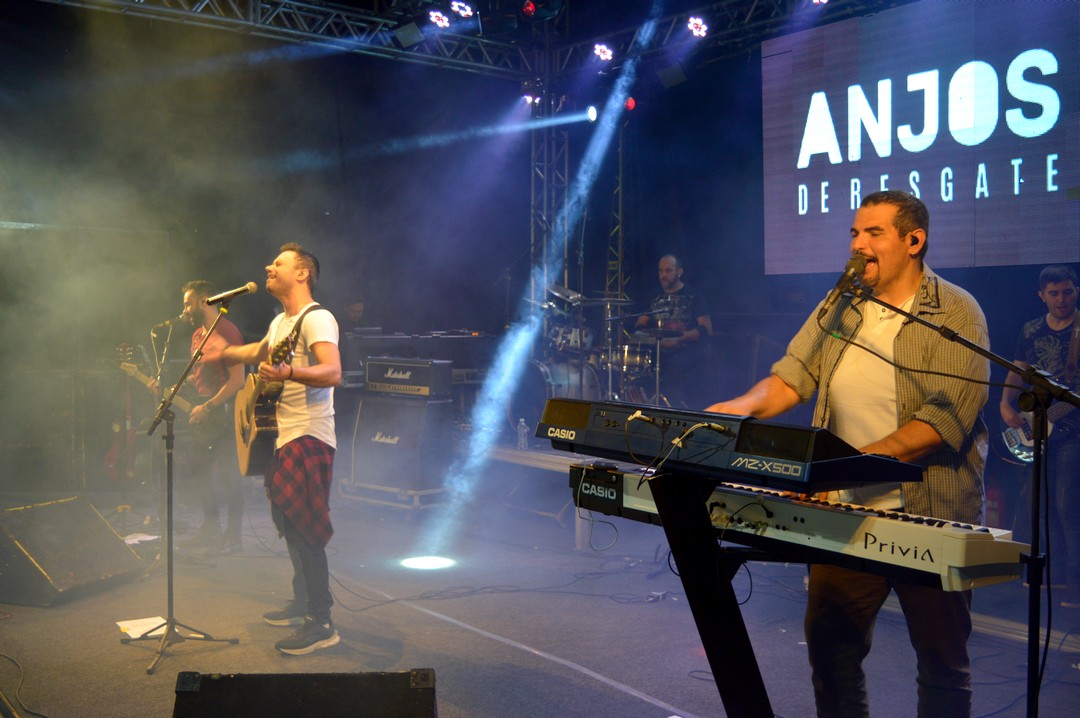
(462,9)
(603,52)
(697,27)
(428,563)
(630,103)
(439,18)
(540,10)
(592,113)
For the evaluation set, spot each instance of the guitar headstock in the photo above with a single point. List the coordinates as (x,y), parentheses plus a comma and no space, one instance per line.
(281,352)
(124,353)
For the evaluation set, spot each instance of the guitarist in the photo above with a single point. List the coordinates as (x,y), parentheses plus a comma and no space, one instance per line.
(216,383)
(298,480)
(1052,343)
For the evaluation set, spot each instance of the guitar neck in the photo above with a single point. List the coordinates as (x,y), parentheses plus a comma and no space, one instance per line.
(1058,411)
(180,402)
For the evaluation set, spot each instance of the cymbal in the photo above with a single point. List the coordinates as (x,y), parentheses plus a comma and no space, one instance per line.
(652,334)
(567,295)
(606,300)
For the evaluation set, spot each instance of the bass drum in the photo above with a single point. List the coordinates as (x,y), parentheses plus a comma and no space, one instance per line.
(549,380)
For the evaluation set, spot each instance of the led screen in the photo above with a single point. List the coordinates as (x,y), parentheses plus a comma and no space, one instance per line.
(972,106)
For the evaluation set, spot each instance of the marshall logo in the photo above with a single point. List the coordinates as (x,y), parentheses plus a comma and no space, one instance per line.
(760,466)
(556,433)
(381,438)
(871,544)
(601,492)
(392,373)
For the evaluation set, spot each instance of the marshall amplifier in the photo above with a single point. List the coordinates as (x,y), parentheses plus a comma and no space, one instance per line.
(606,489)
(401,448)
(409,377)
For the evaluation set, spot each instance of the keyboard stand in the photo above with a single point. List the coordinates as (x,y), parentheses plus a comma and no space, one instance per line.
(706,572)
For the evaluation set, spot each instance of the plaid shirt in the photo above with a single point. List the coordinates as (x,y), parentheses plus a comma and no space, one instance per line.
(299,486)
(952,485)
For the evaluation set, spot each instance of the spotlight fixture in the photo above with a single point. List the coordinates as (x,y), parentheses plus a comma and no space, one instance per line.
(540,10)
(462,9)
(630,104)
(697,27)
(439,19)
(603,52)
(532,91)
(592,113)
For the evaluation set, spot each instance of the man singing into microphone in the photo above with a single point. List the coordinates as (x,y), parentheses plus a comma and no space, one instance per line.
(212,456)
(298,480)
(882,403)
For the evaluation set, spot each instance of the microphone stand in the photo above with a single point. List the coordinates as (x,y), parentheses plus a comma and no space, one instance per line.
(171,634)
(1044,390)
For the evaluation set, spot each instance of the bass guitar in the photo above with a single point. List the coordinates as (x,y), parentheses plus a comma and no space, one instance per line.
(1019,440)
(256,416)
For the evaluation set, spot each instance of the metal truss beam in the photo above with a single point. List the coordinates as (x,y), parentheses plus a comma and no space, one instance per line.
(376,29)
(735,26)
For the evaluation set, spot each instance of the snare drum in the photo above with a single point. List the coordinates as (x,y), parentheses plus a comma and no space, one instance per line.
(628,359)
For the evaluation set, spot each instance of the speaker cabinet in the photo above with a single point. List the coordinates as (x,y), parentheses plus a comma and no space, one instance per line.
(401,447)
(60,549)
(401,694)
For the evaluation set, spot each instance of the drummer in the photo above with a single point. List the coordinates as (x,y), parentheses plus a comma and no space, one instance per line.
(683,312)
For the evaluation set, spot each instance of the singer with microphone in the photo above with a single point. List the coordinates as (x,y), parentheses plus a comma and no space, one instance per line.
(299,471)
(858,357)
(213,446)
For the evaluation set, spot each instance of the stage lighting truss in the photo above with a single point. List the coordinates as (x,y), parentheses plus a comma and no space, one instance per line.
(697,27)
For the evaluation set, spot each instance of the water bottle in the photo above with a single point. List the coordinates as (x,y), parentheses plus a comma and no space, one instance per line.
(523,434)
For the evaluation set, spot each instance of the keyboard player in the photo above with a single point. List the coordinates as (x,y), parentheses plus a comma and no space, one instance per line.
(862,362)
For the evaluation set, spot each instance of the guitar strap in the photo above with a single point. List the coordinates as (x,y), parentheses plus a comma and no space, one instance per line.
(294,335)
(1074,352)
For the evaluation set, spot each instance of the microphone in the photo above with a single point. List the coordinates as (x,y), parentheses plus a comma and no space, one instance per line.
(168,322)
(852,271)
(232,294)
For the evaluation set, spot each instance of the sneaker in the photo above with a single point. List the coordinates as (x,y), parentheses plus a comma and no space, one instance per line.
(291,615)
(309,638)
(232,545)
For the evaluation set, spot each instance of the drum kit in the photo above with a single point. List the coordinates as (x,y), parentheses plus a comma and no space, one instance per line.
(622,367)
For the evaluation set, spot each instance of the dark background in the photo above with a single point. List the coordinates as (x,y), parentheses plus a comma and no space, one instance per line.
(136,155)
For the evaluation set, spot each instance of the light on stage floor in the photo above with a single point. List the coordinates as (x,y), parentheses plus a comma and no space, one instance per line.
(427,563)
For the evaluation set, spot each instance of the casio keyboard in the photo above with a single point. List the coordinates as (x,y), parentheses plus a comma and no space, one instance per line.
(950,555)
(739,448)
(695,455)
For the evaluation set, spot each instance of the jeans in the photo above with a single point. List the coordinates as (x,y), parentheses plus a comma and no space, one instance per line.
(839,624)
(311,573)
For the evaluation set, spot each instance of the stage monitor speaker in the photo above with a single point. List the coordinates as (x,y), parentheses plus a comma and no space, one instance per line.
(402,442)
(400,694)
(60,549)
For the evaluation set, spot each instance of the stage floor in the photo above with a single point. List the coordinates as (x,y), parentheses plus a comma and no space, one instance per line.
(541,616)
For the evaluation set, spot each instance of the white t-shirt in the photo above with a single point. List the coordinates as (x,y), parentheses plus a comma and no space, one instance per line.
(865,386)
(305,409)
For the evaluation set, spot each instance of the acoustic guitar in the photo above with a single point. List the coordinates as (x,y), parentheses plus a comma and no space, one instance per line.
(256,416)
